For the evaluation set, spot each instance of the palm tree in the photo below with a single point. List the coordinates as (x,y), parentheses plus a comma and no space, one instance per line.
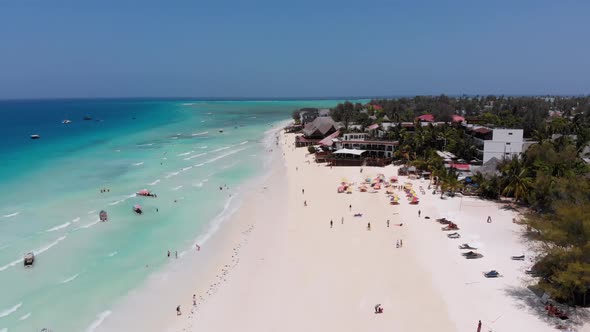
(517,184)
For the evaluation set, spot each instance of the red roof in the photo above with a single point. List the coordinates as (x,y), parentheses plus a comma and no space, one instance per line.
(426,117)
(461,167)
(327,141)
(482,130)
(373,126)
(458,118)
(377,107)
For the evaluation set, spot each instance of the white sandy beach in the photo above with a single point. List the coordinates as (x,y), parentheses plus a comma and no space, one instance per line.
(276,265)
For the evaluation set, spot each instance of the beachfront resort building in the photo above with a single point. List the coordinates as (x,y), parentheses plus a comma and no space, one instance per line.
(374,148)
(315,131)
(505,144)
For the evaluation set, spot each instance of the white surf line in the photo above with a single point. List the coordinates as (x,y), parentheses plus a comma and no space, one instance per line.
(65,281)
(11,310)
(138,164)
(176,188)
(154,183)
(195,156)
(99,319)
(224,155)
(91,212)
(76,219)
(223,148)
(113,253)
(25,316)
(11,215)
(58,227)
(244,142)
(89,225)
(200,134)
(36,252)
(184,154)
(171,174)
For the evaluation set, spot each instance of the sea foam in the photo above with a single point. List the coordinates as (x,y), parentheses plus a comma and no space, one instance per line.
(65,281)
(25,316)
(11,215)
(64,225)
(99,319)
(195,156)
(11,310)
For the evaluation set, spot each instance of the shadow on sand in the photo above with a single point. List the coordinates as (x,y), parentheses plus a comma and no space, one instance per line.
(529,299)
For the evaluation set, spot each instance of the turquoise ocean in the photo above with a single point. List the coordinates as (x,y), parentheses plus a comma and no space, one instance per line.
(50,196)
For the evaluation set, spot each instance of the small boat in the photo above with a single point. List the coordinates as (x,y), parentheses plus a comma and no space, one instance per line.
(35,136)
(137,209)
(221,130)
(29,259)
(87,118)
(145,193)
(103,215)
(66,121)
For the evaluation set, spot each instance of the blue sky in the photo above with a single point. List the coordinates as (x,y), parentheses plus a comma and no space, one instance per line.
(301,48)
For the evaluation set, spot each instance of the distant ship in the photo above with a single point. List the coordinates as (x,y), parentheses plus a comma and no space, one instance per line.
(87,118)
(35,136)
(66,121)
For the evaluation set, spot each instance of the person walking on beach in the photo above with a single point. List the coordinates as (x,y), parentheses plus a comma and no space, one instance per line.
(331,223)
(368,226)
(401,243)
(387,223)
(342,221)
(176,254)
(419,212)
(168,253)
(397,244)
(489,220)
(479,326)
(304,203)
(350,207)
(303,191)
(194,299)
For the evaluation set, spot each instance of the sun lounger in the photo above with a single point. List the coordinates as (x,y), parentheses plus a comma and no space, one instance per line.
(358,214)
(454,235)
(450,227)
(517,258)
(471,255)
(491,274)
(466,246)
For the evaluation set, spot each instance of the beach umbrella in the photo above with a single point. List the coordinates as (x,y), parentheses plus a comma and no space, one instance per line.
(143,192)
(137,207)
(415,199)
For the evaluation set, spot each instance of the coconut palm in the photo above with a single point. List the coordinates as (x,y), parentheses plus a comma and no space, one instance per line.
(517,184)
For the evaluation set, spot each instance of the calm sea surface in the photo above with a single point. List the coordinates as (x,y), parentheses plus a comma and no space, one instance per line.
(50,195)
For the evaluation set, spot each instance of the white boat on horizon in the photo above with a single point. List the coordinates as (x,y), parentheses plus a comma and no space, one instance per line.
(66,121)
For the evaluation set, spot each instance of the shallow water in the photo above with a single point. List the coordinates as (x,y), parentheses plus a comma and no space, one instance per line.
(51,195)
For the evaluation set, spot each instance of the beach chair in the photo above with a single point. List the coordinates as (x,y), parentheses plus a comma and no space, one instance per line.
(517,258)
(450,227)
(491,274)
(466,246)
(454,235)
(471,255)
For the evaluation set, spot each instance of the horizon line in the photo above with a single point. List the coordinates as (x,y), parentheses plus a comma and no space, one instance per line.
(301,98)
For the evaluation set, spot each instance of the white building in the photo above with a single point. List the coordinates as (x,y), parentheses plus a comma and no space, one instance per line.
(505,143)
